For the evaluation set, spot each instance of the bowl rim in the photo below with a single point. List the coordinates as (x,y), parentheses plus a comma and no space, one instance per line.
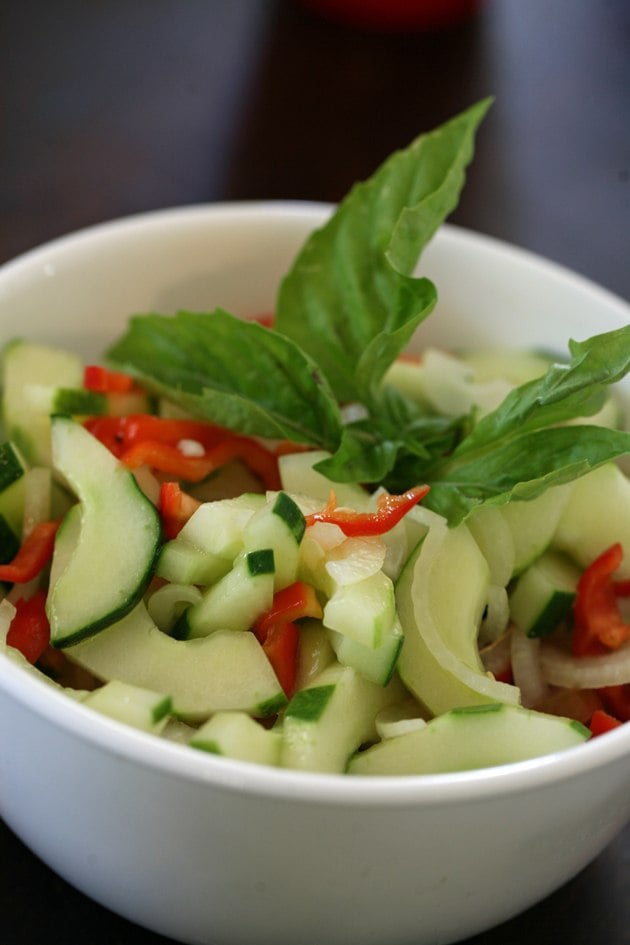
(179,761)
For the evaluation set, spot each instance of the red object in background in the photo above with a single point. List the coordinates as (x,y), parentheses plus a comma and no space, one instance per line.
(396,14)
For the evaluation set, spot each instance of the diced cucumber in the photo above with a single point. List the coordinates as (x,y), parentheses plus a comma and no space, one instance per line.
(74,401)
(364,611)
(543,595)
(318,543)
(166,604)
(596,516)
(238,735)
(183,563)
(235,601)
(27,363)
(12,479)
(107,559)
(355,559)
(133,705)
(440,597)
(226,670)
(515,366)
(299,478)
(377,664)
(314,652)
(490,529)
(324,724)
(278,525)
(217,527)
(475,737)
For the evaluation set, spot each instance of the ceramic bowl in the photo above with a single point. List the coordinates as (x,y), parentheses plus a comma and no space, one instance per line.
(208,850)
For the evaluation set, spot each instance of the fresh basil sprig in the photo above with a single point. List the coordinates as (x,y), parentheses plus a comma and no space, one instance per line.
(345,311)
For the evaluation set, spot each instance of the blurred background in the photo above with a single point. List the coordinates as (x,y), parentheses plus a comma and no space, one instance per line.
(114,107)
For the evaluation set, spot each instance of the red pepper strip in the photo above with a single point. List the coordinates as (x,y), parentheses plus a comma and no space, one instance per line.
(119,434)
(602,722)
(598,624)
(281,648)
(266,321)
(103,381)
(622,588)
(34,554)
(616,700)
(391,509)
(29,631)
(289,604)
(166,458)
(175,507)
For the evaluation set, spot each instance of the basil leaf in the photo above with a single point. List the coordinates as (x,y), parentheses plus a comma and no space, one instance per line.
(523,467)
(235,373)
(349,299)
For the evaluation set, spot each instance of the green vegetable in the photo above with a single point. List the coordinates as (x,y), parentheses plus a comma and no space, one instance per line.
(345,311)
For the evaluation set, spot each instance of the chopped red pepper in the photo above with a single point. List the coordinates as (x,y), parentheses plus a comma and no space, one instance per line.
(30,631)
(598,623)
(616,700)
(289,604)
(602,722)
(104,381)
(33,555)
(390,510)
(281,649)
(175,507)
(121,433)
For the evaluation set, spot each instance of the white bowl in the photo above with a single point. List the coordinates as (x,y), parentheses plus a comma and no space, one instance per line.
(208,850)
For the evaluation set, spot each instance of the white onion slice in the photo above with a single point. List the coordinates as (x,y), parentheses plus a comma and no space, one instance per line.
(527,669)
(585,672)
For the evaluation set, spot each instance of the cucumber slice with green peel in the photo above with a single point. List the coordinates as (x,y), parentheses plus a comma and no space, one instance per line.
(74,401)
(533,523)
(278,525)
(440,598)
(376,664)
(468,738)
(326,723)
(133,705)
(299,478)
(107,557)
(543,595)
(596,516)
(183,563)
(13,470)
(235,601)
(237,735)
(364,611)
(217,527)
(25,363)
(226,670)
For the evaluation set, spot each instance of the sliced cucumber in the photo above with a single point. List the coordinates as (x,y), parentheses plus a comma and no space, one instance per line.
(278,525)
(12,480)
(364,611)
(475,737)
(534,523)
(75,401)
(314,652)
(299,478)
(376,664)
(516,367)
(596,516)
(106,559)
(141,708)
(238,735)
(183,563)
(235,601)
(440,598)
(543,595)
(324,724)
(226,670)
(26,363)
(217,527)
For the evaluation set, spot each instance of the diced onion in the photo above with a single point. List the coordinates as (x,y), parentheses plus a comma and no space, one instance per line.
(560,668)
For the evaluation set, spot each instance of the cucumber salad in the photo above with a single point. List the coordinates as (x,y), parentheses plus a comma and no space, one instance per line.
(287,540)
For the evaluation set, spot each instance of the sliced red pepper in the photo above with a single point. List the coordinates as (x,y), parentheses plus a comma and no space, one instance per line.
(33,555)
(390,510)
(29,631)
(602,722)
(616,700)
(267,320)
(104,381)
(289,604)
(175,507)
(119,434)
(598,623)
(281,648)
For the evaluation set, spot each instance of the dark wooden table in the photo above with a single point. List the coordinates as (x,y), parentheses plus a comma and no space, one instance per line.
(123,106)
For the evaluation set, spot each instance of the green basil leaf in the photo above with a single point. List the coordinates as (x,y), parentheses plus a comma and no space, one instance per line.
(349,299)
(235,373)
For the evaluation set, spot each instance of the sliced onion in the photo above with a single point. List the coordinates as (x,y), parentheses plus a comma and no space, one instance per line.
(166,604)
(560,668)
(496,655)
(497,615)
(527,669)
